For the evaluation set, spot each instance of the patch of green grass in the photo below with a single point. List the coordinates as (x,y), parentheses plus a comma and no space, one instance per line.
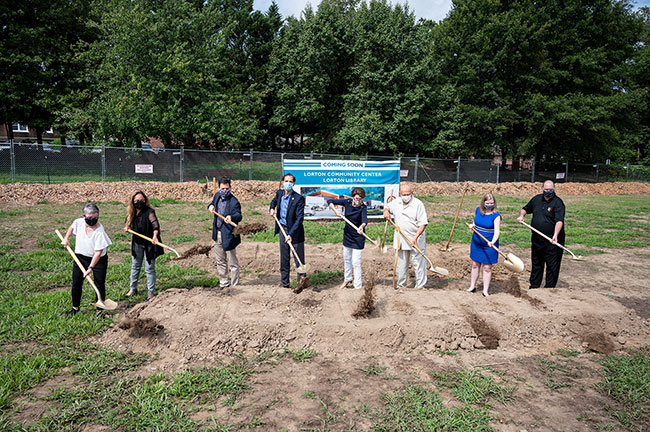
(373,369)
(558,373)
(568,352)
(320,277)
(301,355)
(626,380)
(474,387)
(415,407)
(156,202)
(103,363)
(226,380)
(183,239)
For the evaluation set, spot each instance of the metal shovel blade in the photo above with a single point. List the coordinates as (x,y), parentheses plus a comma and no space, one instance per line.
(446,249)
(439,270)
(304,268)
(107,304)
(513,263)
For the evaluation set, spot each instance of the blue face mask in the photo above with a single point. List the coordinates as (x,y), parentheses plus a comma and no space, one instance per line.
(548,193)
(287,186)
(489,206)
(224,193)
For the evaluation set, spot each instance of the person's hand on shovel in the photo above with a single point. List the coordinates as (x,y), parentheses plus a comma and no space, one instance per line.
(520,219)
(288,239)
(361,227)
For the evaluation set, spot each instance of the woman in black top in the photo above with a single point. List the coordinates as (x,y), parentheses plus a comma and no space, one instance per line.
(353,240)
(141,218)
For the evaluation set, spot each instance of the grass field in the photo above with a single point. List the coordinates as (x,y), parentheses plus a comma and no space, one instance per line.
(38,343)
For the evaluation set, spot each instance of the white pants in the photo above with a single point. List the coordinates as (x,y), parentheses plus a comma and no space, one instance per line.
(226,259)
(352,260)
(419,265)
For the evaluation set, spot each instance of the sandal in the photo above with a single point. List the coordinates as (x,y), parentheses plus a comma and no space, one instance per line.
(130,293)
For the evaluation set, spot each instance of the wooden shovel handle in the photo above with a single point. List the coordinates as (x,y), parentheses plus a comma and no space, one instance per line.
(226,220)
(154,242)
(357,229)
(412,243)
(548,238)
(456,219)
(83,270)
(486,240)
(290,244)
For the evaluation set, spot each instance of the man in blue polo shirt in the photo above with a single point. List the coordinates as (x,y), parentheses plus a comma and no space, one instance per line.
(289,207)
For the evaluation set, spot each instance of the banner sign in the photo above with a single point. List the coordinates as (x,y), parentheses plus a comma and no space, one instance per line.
(144,169)
(321,180)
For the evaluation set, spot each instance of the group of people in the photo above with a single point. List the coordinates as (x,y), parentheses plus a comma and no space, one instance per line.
(287,208)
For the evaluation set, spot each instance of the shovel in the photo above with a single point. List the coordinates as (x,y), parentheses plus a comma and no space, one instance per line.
(377,243)
(447,248)
(107,304)
(512,262)
(384,249)
(574,256)
(156,243)
(439,270)
(225,220)
(302,268)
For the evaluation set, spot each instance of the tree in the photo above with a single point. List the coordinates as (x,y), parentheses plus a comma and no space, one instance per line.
(538,78)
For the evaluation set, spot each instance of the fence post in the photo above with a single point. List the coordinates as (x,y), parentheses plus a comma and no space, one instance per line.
(181,167)
(12,154)
(47,168)
(103,162)
(250,166)
(458,170)
(597,173)
(415,176)
(532,175)
(498,165)
(627,172)
(282,161)
(566,172)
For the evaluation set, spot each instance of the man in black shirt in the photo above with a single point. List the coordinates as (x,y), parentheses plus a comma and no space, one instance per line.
(548,217)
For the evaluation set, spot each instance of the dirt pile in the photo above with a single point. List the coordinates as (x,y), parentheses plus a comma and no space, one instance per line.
(30,193)
(195,250)
(488,336)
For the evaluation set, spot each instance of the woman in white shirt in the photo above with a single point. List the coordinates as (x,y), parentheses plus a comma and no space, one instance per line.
(90,247)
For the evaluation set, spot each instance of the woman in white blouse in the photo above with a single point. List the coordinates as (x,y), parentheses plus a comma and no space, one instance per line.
(90,247)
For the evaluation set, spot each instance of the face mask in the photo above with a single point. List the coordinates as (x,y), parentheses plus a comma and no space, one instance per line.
(489,206)
(549,193)
(406,198)
(356,202)
(139,205)
(91,221)
(224,193)
(288,186)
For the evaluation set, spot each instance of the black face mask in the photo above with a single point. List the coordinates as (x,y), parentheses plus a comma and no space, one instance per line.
(91,221)
(548,193)
(139,205)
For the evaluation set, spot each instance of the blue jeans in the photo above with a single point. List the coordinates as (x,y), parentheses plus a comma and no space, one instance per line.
(149,269)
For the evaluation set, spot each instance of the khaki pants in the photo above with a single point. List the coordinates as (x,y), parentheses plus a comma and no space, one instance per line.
(419,265)
(224,259)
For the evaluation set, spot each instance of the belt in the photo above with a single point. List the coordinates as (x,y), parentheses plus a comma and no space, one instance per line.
(488,230)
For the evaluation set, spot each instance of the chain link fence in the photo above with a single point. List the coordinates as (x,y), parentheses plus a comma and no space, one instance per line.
(31,162)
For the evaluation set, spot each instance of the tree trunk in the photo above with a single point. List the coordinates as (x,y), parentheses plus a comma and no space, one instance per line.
(39,135)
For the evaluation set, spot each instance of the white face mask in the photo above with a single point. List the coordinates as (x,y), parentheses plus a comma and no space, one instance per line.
(406,198)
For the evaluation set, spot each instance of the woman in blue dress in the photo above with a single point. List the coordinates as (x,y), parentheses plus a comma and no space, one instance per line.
(487,221)
(353,240)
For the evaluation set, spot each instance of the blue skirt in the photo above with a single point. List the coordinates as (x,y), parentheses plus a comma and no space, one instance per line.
(480,251)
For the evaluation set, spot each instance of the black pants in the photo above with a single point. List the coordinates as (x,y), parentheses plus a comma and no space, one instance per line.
(99,277)
(285,259)
(542,253)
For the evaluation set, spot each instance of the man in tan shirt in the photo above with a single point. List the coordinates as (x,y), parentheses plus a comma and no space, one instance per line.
(411,217)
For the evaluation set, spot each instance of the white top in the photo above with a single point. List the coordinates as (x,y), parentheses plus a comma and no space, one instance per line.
(408,217)
(86,245)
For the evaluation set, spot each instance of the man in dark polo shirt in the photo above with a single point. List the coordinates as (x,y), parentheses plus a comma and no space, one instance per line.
(548,217)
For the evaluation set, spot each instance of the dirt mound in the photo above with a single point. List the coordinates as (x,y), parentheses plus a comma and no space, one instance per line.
(599,342)
(513,288)
(247,190)
(146,327)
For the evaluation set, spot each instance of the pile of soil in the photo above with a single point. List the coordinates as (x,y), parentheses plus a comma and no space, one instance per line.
(29,193)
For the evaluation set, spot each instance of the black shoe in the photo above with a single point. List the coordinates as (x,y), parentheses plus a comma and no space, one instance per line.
(73,312)
(99,313)
(532,287)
